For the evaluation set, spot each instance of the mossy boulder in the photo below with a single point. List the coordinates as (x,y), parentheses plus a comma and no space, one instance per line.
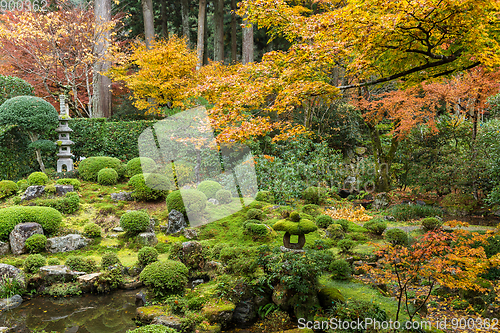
(329,296)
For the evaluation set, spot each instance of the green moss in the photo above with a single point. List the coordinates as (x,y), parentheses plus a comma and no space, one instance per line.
(38,178)
(295,228)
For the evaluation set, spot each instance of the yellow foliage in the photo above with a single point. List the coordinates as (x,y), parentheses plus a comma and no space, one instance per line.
(349,213)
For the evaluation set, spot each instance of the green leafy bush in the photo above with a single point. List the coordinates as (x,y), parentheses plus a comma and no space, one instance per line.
(209,188)
(36,243)
(107,176)
(89,168)
(376,226)
(110,279)
(224,196)
(315,195)
(70,181)
(162,247)
(68,204)
(311,209)
(165,277)
(193,200)
(149,186)
(50,189)
(92,230)
(140,165)
(147,255)
(22,184)
(431,223)
(49,218)
(396,237)
(153,329)
(405,212)
(10,287)
(255,214)
(265,196)
(335,231)
(53,262)
(344,223)
(346,245)
(7,188)
(11,86)
(258,229)
(341,269)
(294,217)
(81,264)
(37,178)
(134,222)
(323,221)
(109,259)
(33,262)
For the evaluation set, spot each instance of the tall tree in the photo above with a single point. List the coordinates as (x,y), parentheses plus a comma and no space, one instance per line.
(186,28)
(247,43)
(219,30)
(200,44)
(101,99)
(164,20)
(149,28)
(234,40)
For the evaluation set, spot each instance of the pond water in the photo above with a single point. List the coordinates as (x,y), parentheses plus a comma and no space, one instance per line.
(108,313)
(489,220)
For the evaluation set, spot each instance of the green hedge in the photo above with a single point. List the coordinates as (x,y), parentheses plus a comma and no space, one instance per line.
(49,218)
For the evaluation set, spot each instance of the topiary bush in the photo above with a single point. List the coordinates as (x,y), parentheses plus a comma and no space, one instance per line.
(140,165)
(256,228)
(149,186)
(375,226)
(11,86)
(346,245)
(68,204)
(265,196)
(134,222)
(33,262)
(7,188)
(36,243)
(311,209)
(209,188)
(431,223)
(294,216)
(22,184)
(70,181)
(37,178)
(323,221)
(224,197)
(53,262)
(49,218)
(147,255)
(315,195)
(192,200)
(89,168)
(92,230)
(107,176)
(396,237)
(165,277)
(81,264)
(153,329)
(109,259)
(255,214)
(341,270)
(335,231)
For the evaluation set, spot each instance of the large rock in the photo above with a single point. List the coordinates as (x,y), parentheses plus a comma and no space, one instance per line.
(4,248)
(282,296)
(33,192)
(190,233)
(176,222)
(151,226)
(66,243)
(244,313)
(147,238)
(59,273)
(381,201)
(122,196)
(88,281)
(12,272)
(10,303)
(168,321)
(20,234)
(192,255)
(63,189)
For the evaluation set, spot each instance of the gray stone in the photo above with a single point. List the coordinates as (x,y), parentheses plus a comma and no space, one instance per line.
(147,238)
(88,281)
(151,226)
(190,233)
(12,272)
(168,321)
(390,218)
(33,192)
(63,189)
(496,212)
(122,196)
(66,243)
(140,299)
(176,222)
(118,229)
(163,227)
(59,273)
(10,303)
(4,248)
(381,201)
(420,203)
(244,312)
(20,234)
(197,282)
(285,249)
(350,183)
(213,201)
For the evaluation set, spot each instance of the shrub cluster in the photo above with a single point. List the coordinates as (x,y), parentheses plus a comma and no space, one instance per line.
(70,181)
(396,237)
(341,269)
(346,245)
(36,243)
(33,262)
(344,223)
(315,195)
(7,188)
(224,196)
(140,165)
(22,185)
(53,262)
(192,200)
(134,222)
(265,196)
(107,176)
(431,223)
(335,231)
(405,212)
(149,186)
(256,228)
(89,168)
(49,218)
(92,230)
(109,259)
(81,264)
(147,255)
(37,178)
(376,226)
(68,204)
(255,214)
(323,221)
(209,188)
(165,277)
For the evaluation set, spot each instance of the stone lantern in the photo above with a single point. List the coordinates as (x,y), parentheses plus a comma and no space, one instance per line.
(64,142)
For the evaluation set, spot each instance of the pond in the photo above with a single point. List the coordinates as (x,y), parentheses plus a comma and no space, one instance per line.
(108,313)
(487,221)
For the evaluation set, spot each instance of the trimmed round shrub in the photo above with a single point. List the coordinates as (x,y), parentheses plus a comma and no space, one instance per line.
(149,186)
(38,178)
(294,216)
(33,262)
(314,195)
(257,229)
(311,209)
(346,245)
(69,181)
(344,223)
(147,255)
(224,197)
(22,185)
(49,218)
(165,277)
(255,214)
(375,226)
(140,165)
(323,221)
(431,223)
(7,188)
(53,262)
(92,230)
(89,168)
(109,259)
(341,269)
(81,264)
(335,231)
(209,188)
(107,176)
(11,86)
(36,243)
(134,222)
(265,196)
(153,329)
(193,201)
(396,236)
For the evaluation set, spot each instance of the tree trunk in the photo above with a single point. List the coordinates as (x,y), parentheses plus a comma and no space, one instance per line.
(219,30)
(164,21)
(34,137)
(383,161)
(101,99)
(205,42)
(247,43)
(149,28)
(200,46)
(186,31)
(234,42)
